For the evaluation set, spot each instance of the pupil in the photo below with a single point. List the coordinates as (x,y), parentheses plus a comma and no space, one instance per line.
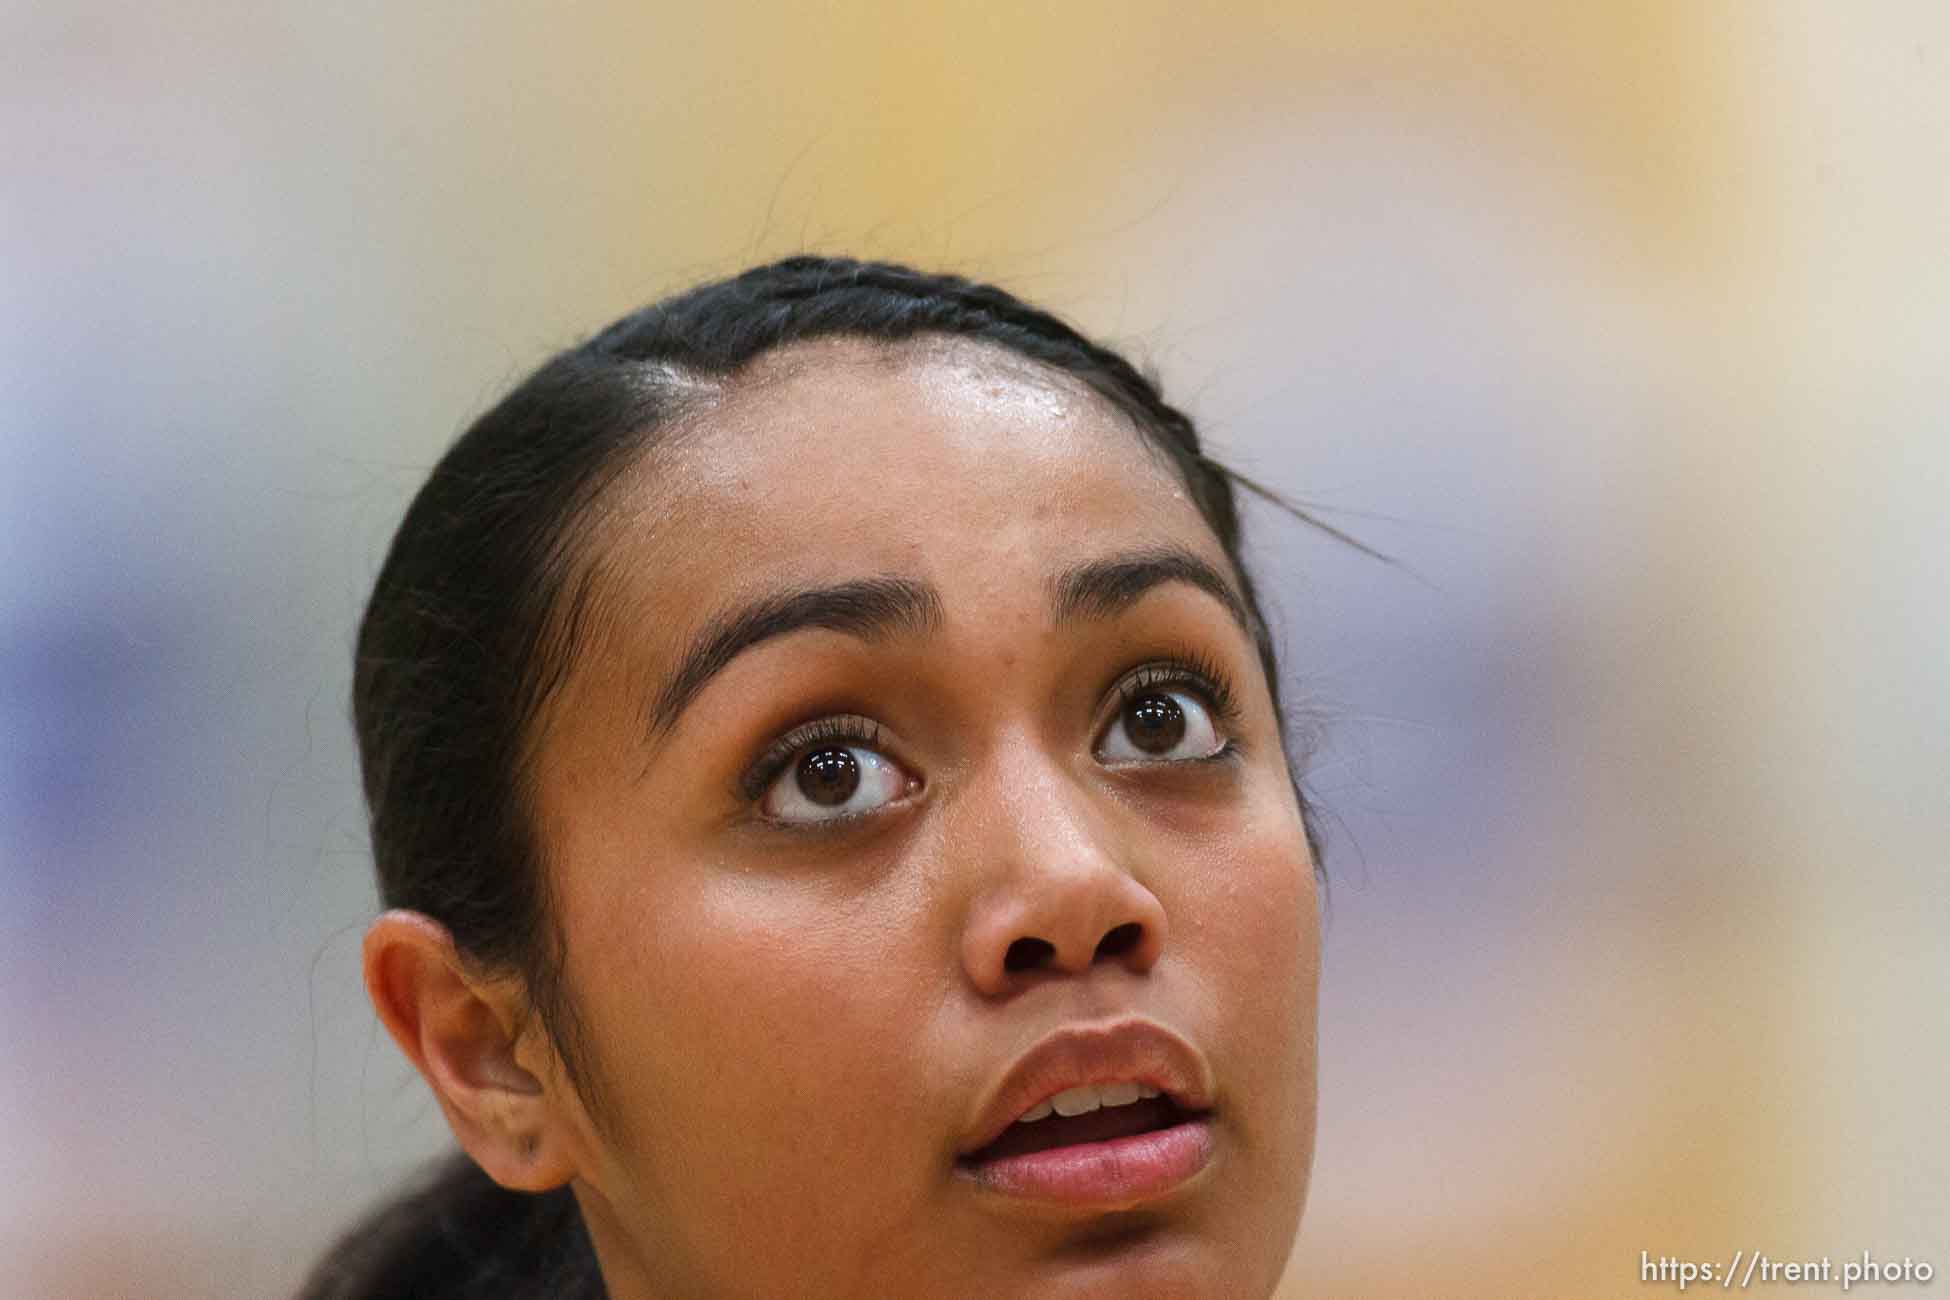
(829,776)
(1155,723)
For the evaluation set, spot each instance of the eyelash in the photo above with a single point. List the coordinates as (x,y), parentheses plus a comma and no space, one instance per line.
(1186,669)
(1202,675)
(847,729)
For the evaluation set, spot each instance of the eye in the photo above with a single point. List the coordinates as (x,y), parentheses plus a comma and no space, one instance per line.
(827,772)
(1161,724)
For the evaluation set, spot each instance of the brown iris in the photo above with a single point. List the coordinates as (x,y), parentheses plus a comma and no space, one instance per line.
(829,776)
(1154,723)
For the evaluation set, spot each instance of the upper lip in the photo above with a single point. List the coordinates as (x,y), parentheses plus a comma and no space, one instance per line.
(1136,1050)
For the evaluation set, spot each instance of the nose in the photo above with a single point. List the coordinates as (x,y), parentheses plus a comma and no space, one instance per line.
(1055,895)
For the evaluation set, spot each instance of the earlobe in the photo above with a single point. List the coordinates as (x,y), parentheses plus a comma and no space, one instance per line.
(462,1032)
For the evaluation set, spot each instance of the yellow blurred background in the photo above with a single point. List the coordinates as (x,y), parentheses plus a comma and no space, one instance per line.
(1625,326)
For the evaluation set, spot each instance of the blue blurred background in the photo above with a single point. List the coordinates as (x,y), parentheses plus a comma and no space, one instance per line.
(1625,326)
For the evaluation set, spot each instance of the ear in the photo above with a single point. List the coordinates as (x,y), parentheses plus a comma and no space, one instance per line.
(462,1032)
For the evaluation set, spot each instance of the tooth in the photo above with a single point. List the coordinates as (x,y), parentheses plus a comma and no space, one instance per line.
(1041,1110)
(1146,1092)
(1077,1101)
(1119,1094)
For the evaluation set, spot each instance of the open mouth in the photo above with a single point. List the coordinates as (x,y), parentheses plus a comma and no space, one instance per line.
(1105,1124)
(1104,1118)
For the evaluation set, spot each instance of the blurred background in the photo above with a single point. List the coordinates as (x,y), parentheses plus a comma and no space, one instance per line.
(1625,327)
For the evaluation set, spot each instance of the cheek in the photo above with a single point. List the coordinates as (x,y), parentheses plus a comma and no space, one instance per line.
(753,1037)
(1285,932)
(1249,925)
(1249,912)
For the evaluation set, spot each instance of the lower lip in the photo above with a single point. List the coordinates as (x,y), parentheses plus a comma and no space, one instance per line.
(1115,1174)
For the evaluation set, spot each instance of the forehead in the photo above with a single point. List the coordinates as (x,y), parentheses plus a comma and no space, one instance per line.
(938,459)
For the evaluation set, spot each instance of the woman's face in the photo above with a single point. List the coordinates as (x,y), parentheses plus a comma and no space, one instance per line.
(917,770)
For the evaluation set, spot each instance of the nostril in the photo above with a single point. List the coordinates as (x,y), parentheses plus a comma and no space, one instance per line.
(1120,940)
(1027,954)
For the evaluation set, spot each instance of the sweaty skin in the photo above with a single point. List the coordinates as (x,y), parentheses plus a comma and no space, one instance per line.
(792,1025)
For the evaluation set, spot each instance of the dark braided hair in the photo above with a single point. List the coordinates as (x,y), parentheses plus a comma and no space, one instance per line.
(475,622)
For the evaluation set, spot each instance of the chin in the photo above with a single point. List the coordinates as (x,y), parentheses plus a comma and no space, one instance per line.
(1136,1254)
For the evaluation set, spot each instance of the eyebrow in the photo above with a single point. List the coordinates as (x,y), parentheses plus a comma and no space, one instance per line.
(873,608)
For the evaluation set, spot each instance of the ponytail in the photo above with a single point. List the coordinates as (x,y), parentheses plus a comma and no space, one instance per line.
(457,1235)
